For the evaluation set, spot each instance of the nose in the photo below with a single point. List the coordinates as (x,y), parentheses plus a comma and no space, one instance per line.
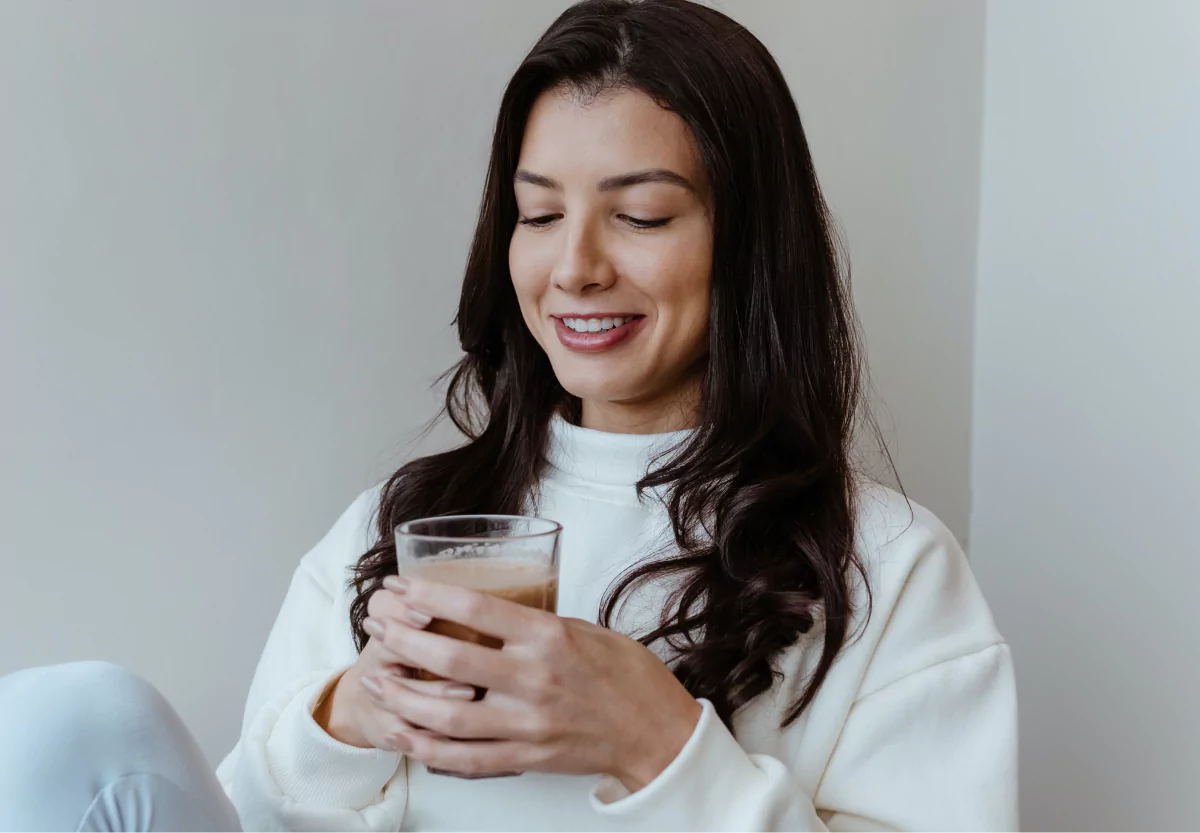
(581,267)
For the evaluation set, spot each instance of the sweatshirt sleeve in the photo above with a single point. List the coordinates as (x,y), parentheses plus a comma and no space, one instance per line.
(928,724)
(933,751)
(286,773)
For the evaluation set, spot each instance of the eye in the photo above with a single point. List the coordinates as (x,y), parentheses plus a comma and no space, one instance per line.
(644,224)
(539,222)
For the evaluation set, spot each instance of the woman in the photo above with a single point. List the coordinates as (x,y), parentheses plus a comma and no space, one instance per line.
(659,354)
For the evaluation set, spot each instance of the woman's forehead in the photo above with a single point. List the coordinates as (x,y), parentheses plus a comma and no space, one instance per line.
(568,136)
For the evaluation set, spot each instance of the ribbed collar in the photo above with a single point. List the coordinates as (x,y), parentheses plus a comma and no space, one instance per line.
(601,457)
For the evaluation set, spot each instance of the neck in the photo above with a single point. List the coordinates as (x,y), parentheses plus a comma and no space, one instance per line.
(677,412)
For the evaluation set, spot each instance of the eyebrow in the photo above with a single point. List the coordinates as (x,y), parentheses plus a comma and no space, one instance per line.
(612,183)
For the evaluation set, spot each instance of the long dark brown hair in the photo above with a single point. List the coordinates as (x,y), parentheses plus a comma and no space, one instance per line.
(761,496)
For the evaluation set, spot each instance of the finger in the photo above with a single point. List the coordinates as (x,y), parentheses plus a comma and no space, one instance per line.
(396,733)
(454,659)
(388,658)
(392,727)
(446,689)
(476,758)
(487,614)
(385,604)
(445,716)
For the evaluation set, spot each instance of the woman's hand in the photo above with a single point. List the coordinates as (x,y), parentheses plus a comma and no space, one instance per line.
(563,695)
(351,715)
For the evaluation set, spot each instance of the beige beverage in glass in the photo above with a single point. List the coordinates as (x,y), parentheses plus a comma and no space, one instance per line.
(508,556)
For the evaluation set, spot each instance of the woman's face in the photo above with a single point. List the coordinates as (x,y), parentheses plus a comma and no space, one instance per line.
(611,256)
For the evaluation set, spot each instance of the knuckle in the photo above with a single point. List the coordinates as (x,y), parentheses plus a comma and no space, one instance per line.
(538,728)
(452,722)
(377,603)
(417,745)
(393,726)
(455,661)
(540,681)
(473,605)
(556,635)
(393,735)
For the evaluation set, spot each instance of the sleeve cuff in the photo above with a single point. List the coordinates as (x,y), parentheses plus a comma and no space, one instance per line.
(711,784)
(316,770)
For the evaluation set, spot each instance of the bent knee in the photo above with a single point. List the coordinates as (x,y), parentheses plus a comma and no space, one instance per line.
(67,730)
(78,698)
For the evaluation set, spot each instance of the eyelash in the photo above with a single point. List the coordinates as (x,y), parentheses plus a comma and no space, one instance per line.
(639,224)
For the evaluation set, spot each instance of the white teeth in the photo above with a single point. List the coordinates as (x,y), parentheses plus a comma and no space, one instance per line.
(594,325)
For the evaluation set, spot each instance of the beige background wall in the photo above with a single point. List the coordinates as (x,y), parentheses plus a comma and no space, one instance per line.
(230,241)
(1087,402)
(891,97)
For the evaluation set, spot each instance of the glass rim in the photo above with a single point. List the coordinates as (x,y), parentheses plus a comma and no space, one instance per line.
(554,528)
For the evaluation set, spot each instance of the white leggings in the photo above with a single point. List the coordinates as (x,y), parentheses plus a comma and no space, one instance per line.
(92,746)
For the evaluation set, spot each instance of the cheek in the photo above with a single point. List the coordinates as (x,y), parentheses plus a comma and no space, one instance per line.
(694,320)
(528,280)
(681,289)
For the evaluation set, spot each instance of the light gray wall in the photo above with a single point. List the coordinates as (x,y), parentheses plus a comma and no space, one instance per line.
(231,236)
(1087,460)
(891,97)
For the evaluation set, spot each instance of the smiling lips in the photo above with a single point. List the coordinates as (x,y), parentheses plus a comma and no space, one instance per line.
(595,333)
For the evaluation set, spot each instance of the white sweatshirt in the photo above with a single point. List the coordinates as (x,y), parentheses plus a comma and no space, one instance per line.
(914,728)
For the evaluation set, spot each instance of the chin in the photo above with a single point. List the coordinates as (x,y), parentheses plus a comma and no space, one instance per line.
(597,388)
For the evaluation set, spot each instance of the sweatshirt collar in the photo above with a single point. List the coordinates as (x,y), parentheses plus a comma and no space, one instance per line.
(602,457)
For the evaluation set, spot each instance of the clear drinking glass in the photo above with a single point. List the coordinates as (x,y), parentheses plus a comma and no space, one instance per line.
(508,556)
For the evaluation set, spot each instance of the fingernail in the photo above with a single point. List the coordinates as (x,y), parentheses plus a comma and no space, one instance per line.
(403,744)
(374,627)
(396,584)
(460,692)
(416,618)
(372,685)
